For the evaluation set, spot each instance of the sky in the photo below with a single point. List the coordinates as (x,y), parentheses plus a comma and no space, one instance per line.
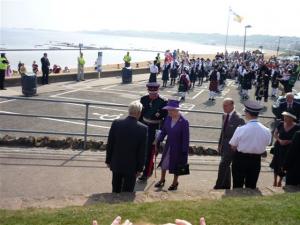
(268,17)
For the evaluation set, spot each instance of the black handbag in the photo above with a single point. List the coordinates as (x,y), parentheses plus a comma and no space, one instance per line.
(182,169)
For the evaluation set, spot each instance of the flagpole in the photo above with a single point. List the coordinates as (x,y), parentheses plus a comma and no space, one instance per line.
(229,11)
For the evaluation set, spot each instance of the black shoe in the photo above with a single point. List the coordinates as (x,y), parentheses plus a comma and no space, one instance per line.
(218,187)
(173,187)
(160,184)
(143,178)
(2,88)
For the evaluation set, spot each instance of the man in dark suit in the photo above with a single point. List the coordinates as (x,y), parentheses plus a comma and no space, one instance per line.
(230,121)
(292,162)
(125,150)
(45,68)
(290,105)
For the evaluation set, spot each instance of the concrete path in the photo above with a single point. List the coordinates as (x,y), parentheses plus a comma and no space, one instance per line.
(58,178)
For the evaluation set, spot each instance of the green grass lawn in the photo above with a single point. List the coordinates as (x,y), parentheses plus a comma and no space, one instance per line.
(277,209)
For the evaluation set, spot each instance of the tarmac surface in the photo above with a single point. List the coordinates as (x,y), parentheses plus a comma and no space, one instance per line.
(110,90)
(57,178)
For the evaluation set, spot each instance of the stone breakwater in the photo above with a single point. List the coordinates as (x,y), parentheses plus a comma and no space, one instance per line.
(78,143)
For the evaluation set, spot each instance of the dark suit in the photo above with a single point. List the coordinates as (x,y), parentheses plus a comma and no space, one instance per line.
(295,108)
(224,173)
(45,69)
(125,152)
(292,162)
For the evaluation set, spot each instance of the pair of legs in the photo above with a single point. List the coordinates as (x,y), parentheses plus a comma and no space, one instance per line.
(123,182)
(2,79)
(161,183)
(165,83)
(45,76)
(274,92)
(245,94)
(212,95)
(277,180)
(224,172)
(80,74)
(149,165)
(182,96)
(200,81)
(173,81)
(152,77)
(245,170)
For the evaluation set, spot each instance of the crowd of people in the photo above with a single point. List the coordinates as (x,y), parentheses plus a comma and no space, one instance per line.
(6,71)
(236,146)
(249,70)
(133,143)
(238,151)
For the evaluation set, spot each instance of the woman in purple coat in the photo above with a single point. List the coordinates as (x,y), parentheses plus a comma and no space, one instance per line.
(176,127)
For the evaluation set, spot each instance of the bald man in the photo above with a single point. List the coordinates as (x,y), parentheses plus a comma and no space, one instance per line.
(230,121)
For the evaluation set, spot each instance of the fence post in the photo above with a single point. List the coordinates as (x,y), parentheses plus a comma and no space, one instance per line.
(86,123)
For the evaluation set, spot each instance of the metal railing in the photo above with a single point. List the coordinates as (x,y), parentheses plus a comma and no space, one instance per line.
(86,118)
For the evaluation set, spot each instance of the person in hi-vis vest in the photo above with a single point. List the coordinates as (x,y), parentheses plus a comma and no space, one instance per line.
(127,60)
(3,67)
(81,62)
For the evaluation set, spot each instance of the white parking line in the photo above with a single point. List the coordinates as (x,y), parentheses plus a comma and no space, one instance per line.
(108,87)
(187,106)
(11,100)
(112,91)
(200,92)
(98,107)
(67,92)
(81,99)
(9,112)
(224,92)
(122,90)
(72,122)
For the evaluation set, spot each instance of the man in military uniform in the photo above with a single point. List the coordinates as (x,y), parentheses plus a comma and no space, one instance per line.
(152,115)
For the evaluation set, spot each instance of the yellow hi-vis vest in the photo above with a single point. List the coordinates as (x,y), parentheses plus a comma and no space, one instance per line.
(3,66)
(127,58)
(81,61)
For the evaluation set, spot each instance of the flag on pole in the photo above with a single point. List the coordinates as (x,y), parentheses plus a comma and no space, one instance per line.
(237,17)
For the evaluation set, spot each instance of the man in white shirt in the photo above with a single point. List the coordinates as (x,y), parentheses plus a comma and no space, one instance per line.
(249,142)
(153,72)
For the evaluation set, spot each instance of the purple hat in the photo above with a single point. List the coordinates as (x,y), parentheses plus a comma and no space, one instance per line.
(172,104)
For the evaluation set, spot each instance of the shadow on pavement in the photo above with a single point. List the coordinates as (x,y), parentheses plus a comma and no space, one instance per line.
(242,192)
(291,188)
(111,198)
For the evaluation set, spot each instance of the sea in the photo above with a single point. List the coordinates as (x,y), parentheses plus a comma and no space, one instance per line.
(113,48)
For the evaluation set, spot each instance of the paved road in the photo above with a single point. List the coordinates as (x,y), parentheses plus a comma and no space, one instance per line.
(110,90)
